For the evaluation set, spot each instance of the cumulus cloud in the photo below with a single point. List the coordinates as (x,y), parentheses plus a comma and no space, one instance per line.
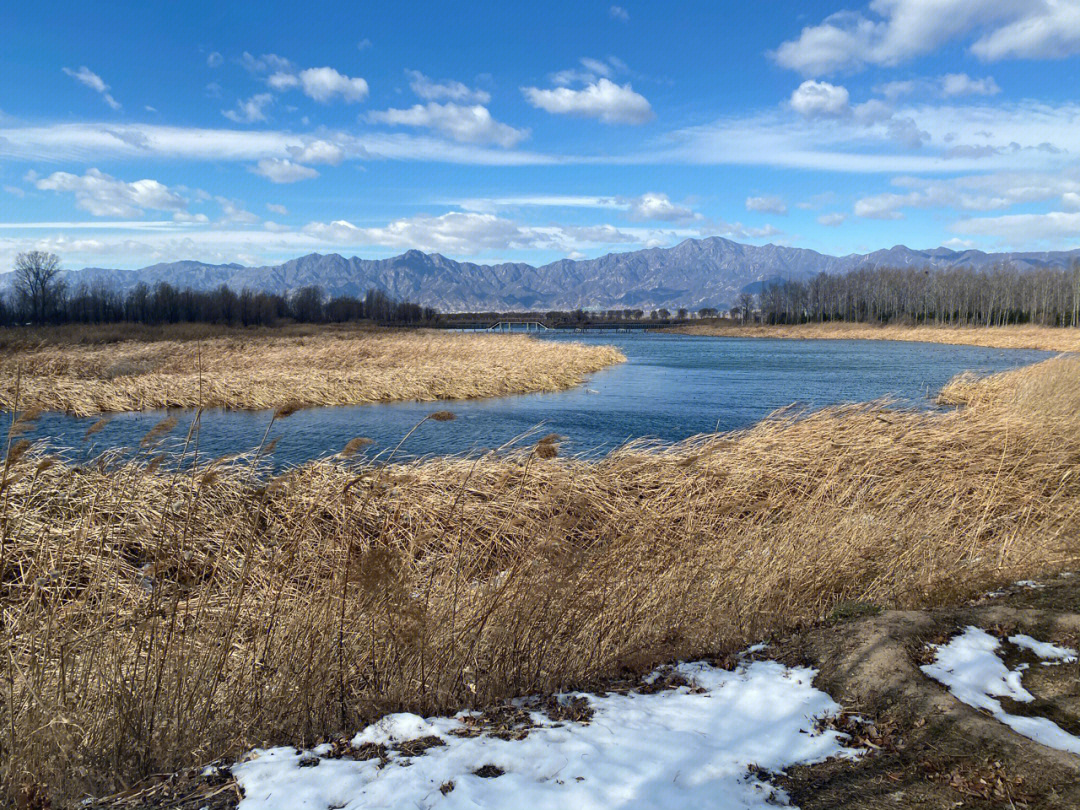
(106,196)
(214,59)
(657,207)
(619,13)
(468,124)
(87,77)
(832,220)
(317,151)
(766,205)
(324,83)
(280,170)
(603,99)
(445,90)
(895,31)
(277,209)
(251,110)
(820,98)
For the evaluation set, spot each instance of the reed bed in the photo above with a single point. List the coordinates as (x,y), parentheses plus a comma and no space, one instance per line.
(263,370)
(1048,338)
(153,619)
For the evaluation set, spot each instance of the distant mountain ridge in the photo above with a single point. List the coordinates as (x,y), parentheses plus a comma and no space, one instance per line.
(694,273)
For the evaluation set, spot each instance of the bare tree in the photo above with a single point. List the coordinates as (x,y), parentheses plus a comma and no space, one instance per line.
(38,287)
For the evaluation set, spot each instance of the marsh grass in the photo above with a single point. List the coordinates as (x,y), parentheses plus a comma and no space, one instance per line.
(998,337)
(90,374)
(154,618)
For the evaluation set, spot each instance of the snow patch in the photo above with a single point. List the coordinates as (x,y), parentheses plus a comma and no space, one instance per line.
(1050,653)
(674,748)
(396,728)
(969,666)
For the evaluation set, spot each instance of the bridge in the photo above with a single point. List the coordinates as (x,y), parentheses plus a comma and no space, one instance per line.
(527,326)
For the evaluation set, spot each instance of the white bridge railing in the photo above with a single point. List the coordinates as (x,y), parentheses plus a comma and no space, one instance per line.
(508,326)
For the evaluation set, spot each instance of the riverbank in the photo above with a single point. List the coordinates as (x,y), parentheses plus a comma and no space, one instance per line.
(1045,338)
(155,619)
(85,372)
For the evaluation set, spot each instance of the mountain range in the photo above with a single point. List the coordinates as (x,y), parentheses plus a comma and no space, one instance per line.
(694,273)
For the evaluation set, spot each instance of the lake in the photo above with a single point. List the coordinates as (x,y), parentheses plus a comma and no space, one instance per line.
(672,387)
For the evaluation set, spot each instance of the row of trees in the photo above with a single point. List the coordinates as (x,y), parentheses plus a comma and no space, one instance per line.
(39,295)
(1003,295)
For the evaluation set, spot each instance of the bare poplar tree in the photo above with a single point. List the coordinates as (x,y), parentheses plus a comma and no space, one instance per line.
(38,287)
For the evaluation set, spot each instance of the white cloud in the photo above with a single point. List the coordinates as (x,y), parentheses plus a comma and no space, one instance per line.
(214,59)
(832,220)
(1023,228)
(493,204)
(960,84)
(466,234)
(277,209)
(265,63)
(619,13)
(447,90)
(233,212)
(317,151)
(87,77)
(656,206)
(812,99)
(283,80)
(250,111)
(766,205)
(86,141)
(15,191)
(1070,201)
(363,44)
(468,124)
(281,170)
(1048,29)
(105,196)
(324,83)
(984,192)
(899,30)
(602,99)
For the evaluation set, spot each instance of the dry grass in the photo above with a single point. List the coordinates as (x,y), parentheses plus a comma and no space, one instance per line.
(152,619)
(265,369)
(999,337)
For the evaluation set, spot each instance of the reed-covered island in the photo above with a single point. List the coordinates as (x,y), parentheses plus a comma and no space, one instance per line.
(88,370)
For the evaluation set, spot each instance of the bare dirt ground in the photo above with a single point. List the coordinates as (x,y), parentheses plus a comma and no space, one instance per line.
(924,748)
(929,750)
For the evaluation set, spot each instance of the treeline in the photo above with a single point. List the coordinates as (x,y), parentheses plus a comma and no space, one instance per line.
(39,296)
(960,296)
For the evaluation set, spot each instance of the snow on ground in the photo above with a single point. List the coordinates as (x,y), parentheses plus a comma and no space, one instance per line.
(697,746)
(972,670)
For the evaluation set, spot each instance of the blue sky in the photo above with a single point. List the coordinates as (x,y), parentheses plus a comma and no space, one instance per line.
(136,133)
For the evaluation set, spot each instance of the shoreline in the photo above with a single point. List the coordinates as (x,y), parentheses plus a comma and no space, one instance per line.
(1042,338)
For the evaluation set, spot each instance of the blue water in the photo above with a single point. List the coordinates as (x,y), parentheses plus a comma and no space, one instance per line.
(672,387)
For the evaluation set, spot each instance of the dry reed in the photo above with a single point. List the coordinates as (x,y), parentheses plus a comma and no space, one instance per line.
(998,337)
(264,370)
(153,619)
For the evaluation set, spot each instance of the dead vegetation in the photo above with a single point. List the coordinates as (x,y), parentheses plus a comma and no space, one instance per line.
(1048,338)
(153,619)
(88,374)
